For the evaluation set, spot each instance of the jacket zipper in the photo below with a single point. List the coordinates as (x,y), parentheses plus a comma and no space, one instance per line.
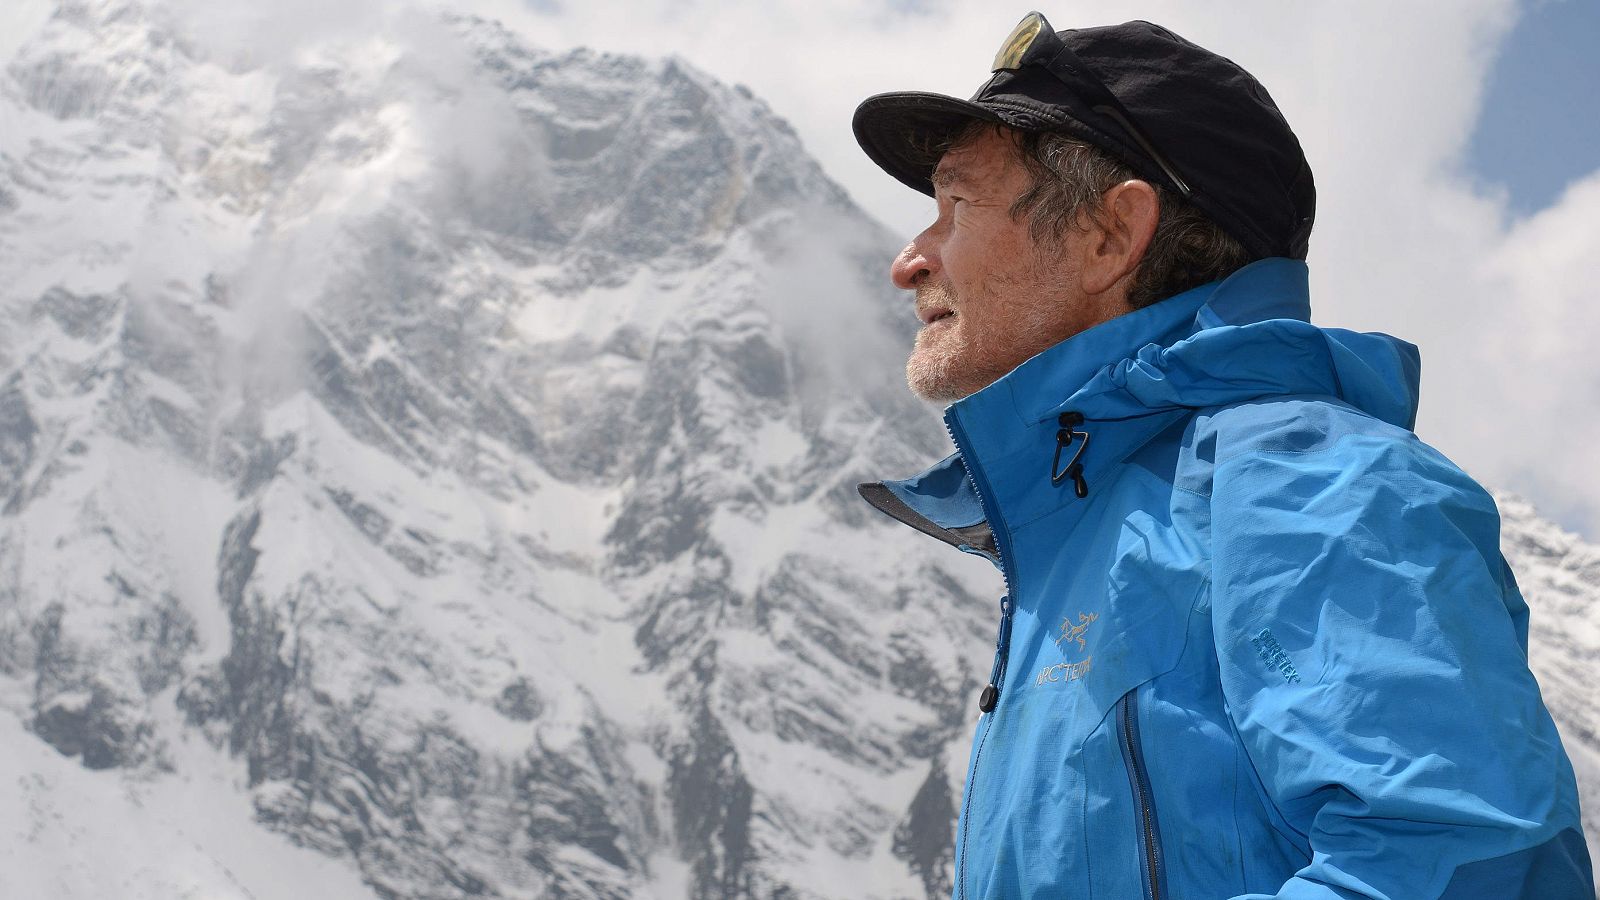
(990,697)
(1143,805)
(966,814)
(980,486)
(989,701)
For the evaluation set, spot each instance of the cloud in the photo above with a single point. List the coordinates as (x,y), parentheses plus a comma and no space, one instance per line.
(1534,388)
(20,20)
(251,35)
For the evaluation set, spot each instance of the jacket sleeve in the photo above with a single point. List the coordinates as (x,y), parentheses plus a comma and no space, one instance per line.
(1373,657)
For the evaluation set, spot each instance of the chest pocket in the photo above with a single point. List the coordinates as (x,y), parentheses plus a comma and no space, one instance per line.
(1095,624)
(1089,628)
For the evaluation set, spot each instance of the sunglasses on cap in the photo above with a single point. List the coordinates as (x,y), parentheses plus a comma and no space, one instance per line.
(1034,43)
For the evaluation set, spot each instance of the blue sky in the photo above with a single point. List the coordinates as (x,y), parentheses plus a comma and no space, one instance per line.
(1540,128)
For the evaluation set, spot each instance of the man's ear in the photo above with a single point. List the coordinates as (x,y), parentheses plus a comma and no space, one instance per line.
(1121,235)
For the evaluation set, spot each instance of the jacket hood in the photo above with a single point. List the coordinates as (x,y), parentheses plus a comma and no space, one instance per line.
(1244,338)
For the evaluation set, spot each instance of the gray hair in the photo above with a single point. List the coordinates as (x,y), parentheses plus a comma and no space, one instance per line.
(1070,179)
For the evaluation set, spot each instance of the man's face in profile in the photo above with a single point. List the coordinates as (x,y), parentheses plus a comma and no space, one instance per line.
(989,297)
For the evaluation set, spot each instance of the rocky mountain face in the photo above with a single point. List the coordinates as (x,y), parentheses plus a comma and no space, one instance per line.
(463,438)
(436,455)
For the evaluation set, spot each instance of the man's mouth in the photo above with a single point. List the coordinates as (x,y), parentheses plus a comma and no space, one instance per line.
(930,316)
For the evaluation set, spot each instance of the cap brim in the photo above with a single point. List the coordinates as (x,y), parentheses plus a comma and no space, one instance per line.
(899,131)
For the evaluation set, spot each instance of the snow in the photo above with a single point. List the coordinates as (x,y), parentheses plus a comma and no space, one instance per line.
(566,519)
(779,445)
(644,302)
(186,835)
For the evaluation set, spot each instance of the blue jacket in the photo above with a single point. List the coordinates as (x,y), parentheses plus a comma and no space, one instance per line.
(1258,640)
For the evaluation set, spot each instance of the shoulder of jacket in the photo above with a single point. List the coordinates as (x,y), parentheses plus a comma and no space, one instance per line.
(1296,423)
(1297,456)
(1287,425)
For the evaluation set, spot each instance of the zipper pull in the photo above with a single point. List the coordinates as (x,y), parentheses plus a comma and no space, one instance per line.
(1002,648)
(987,699)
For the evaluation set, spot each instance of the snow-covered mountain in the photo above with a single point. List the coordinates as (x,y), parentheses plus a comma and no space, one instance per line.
(427,469)
(461,439)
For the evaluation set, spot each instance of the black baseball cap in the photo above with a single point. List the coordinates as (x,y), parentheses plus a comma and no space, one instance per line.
(1176,113)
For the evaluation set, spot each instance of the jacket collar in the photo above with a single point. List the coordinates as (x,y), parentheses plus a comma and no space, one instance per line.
(999,423)
(1041,387)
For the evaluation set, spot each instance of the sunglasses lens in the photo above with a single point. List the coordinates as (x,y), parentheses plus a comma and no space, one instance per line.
(1016,45)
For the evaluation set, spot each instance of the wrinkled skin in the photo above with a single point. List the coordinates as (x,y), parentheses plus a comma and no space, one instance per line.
(988,294)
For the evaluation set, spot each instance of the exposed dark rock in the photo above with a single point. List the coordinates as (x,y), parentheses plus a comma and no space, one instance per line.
(339,389)
(760,367)
(924,838)
(18,433)
(350,794)
(680,618)
(367,519)
(261,464)
(418,552)
(711,810)
(566,806)
(87,317)
(165,634)
(662,520)
(73,710)
(519,701)
(55,658)
(89,723)
(251,691)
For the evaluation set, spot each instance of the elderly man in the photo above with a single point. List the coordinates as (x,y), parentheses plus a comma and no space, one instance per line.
(1257,640)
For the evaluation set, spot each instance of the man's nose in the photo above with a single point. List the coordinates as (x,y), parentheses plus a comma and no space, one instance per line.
(914,265)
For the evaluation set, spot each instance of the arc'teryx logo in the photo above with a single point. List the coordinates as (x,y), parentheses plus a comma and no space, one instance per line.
(1071,633)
